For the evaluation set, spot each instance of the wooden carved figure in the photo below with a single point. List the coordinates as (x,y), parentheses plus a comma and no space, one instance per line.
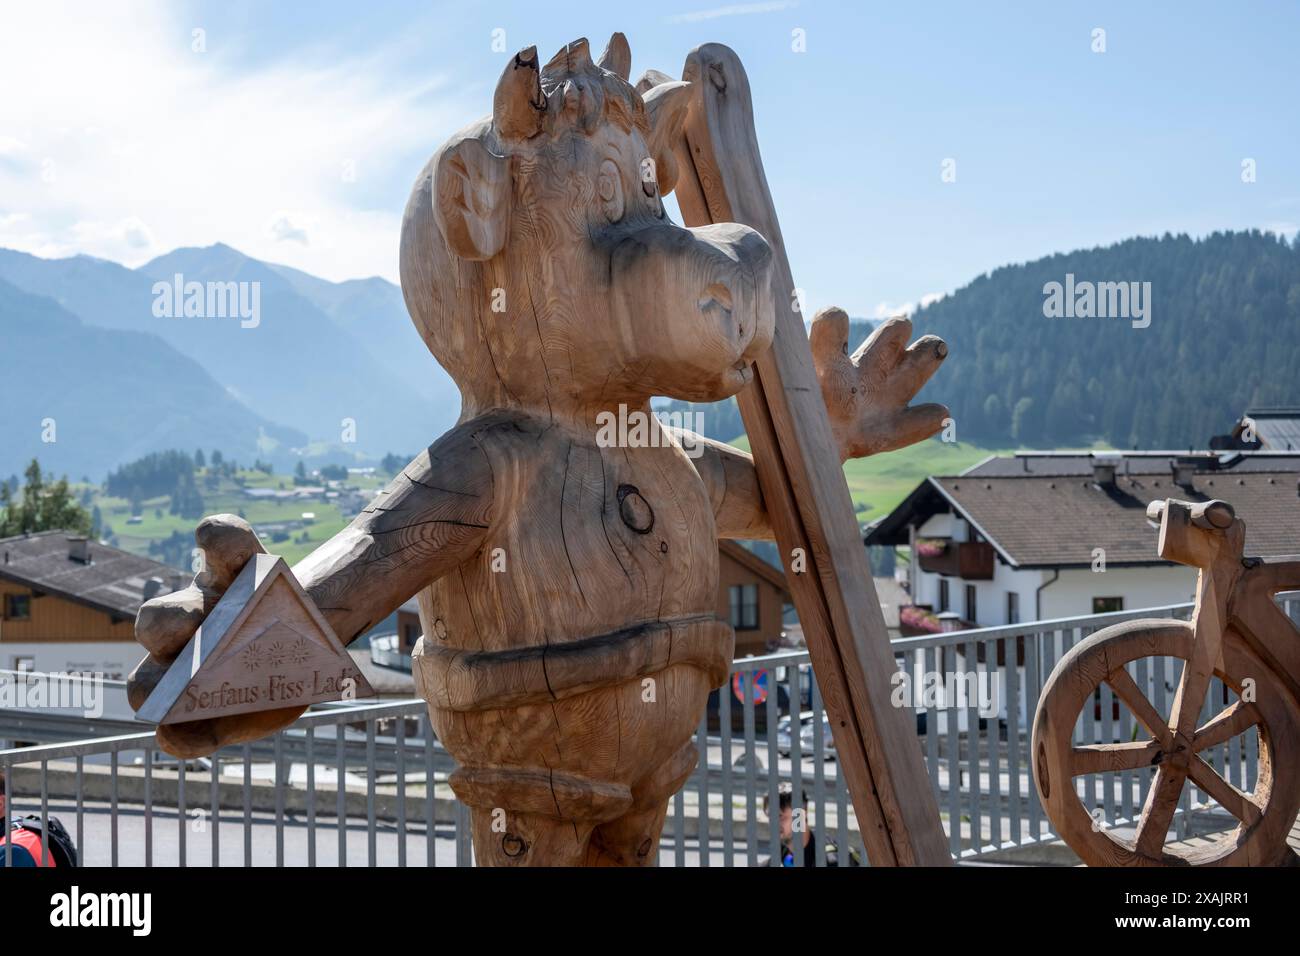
(562,543)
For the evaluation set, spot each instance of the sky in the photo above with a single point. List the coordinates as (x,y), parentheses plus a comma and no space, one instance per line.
(909,146)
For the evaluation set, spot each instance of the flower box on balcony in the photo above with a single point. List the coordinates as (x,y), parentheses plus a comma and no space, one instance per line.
(972,560)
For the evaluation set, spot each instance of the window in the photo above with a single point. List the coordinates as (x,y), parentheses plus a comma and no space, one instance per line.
(1107,604)
(943,595)
(18,607)
(744,606)
(410,634)
(971,612)
(1013,607)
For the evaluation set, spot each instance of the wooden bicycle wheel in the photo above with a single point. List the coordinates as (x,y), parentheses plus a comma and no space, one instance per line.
(1265,815)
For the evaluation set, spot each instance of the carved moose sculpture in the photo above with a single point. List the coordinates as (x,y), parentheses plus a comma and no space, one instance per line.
(566,586)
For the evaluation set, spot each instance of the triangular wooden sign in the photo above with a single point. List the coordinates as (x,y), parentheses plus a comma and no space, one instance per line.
(264,646)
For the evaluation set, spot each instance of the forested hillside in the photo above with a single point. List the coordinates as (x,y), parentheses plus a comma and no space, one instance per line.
(1224,334)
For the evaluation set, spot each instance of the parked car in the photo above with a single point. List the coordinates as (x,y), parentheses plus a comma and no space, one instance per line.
(807,728)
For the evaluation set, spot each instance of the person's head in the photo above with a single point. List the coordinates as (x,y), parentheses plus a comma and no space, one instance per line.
(785,809)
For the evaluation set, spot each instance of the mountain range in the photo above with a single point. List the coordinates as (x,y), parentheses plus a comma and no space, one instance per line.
(328,371)
(81,346)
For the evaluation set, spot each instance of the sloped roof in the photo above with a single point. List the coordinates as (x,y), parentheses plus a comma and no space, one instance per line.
(1153,463)
(755,564)
(1035,520)
(112,582)
(1277,428)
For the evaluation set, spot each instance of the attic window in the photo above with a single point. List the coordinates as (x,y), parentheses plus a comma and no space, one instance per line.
(18,607)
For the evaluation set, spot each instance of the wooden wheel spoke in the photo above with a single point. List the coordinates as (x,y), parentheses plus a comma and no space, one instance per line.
(1111,758)
(1162,801)
(1122,683)
(1239,804)
(1229,723)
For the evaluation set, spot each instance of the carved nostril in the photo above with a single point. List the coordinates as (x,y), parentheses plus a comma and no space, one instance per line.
(715,294)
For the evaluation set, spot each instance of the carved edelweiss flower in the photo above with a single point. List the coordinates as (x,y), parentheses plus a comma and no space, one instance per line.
(276,653)
(251,657)
(296,653)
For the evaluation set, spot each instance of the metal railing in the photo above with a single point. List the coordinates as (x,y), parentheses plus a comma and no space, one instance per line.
(352,784)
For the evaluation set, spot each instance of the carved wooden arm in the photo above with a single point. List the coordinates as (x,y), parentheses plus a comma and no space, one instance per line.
(732,483)
(425,523)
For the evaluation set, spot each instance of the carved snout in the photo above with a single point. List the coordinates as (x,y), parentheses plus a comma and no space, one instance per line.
(1193,533)
(695,305)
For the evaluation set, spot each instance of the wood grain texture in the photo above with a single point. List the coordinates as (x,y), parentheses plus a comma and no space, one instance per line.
(560,541)
(721,178)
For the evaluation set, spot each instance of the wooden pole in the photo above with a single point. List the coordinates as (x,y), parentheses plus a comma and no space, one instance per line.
(721,179)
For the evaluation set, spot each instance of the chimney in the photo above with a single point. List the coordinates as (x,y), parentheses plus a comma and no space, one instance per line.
(79,548)
(152,588)
(1182,471)
(1103,472)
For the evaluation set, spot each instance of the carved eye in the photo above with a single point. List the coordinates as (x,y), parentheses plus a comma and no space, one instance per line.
(609,189)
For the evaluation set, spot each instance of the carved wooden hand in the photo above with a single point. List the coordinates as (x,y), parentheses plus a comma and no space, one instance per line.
(165,625)
(426,522)
(867,393)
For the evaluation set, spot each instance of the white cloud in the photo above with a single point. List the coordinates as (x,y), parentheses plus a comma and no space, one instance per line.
(732,10)
(128,237)
(145,145)
(887,310)
(283,229)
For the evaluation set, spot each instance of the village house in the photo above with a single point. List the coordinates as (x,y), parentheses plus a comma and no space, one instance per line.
(1043,535)
(68,604)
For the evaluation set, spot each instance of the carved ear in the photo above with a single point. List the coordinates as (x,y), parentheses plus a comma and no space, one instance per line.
(471,199)
(617,57)
(666,105)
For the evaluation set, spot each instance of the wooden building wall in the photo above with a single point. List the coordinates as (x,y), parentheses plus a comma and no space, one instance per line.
(771,602)
(55,618)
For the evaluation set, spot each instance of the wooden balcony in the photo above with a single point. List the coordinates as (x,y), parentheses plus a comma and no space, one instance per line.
(972,560)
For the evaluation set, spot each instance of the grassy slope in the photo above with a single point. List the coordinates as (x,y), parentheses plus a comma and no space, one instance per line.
(879,483)
(228,499)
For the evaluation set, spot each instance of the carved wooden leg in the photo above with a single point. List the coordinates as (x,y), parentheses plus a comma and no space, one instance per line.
(509,838)
(633,839)
(530,817)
